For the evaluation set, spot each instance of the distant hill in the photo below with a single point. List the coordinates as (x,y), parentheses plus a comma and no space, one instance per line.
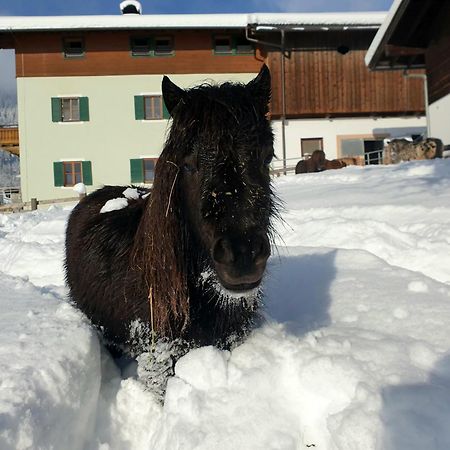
(8,108)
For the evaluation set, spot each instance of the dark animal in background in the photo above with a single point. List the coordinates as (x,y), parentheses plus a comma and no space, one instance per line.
(398,150)
(334,164)
(187,261)
(318,163)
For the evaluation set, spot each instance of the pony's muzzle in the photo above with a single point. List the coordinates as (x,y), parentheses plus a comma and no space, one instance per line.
(240,261)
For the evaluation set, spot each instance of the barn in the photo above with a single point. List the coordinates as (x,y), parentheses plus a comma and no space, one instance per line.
(89,88)
(416,35)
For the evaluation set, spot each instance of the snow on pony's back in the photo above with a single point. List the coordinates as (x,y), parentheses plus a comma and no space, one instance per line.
(187,261)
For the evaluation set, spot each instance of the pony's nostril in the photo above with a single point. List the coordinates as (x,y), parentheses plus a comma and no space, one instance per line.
(222,252)
(260,249)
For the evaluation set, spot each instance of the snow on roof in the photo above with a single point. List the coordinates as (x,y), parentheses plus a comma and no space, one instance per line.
(132,21)
(133,3)
(384,32)
(318,19)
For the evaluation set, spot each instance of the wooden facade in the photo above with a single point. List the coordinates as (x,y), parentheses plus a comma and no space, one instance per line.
(437,58)
(109,53)
(418,35)
(322,82)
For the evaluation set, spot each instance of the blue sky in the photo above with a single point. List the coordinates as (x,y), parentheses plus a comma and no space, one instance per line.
(69,7)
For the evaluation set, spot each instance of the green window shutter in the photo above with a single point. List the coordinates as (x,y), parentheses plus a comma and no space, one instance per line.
(233,45)
(166,114)
(58,174)
(151,44)
(84,109)
(139,107)
(56,109)
(137,170)
(87,172)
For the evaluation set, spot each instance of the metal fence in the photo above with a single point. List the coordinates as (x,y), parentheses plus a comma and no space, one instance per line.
(9,195)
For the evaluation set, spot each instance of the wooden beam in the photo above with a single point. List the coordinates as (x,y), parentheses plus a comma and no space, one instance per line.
(397,50)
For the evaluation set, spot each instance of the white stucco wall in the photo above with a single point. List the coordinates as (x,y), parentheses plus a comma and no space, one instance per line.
(331,130)
(440,119)
(109,139)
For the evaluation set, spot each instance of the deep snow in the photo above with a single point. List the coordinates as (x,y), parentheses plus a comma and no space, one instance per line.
(354,354)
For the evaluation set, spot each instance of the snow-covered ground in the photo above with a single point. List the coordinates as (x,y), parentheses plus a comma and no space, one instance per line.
(355,353)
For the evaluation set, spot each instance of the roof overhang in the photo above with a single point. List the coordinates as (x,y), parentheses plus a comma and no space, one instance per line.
(402,39)
(188,21)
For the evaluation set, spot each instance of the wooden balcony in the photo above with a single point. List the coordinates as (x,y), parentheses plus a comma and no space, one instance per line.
(9,140)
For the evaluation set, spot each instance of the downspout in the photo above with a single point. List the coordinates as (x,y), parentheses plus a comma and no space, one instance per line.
(425,94)
(283,84)
(283,101)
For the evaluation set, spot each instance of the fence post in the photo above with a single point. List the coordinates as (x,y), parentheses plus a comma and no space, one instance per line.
(34,204)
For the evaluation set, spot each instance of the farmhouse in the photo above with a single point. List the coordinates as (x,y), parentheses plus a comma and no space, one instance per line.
(416,35)
(89,88)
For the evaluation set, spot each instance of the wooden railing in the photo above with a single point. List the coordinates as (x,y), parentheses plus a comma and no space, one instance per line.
(9,139)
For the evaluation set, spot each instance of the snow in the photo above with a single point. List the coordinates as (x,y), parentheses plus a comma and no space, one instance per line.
(354,353)
(172,21)
(134,3)
(114,205)
(80,188)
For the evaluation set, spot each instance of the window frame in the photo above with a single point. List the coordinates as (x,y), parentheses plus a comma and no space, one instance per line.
(167,53)
(233,39)
(144,180)
(152,99)
(71,99)
(248,52)
(137,54)
(66,40)
(222,36)
(304,140)
(72,172)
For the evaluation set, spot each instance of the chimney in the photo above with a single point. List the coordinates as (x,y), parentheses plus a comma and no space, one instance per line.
(130,7)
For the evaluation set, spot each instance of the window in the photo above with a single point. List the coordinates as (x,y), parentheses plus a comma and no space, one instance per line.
(242,45)
(72,173)
(142,170)
(69,173)
(309,145)
(152,46)
(232,45)
(222,45)
(153,107)
(70,109)
(141,46)
(150,107)
(163,46)
(149,170)
(73,47)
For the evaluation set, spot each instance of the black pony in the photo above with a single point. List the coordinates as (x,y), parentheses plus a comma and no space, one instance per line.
(186,261)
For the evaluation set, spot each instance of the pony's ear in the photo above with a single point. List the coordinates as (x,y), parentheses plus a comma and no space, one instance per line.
(260,88)
(172,94)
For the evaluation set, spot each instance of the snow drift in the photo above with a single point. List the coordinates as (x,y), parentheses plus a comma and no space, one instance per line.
(354,354)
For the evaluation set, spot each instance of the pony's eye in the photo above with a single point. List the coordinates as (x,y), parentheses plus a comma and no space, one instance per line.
(268,160)
(189,168)
(190,163)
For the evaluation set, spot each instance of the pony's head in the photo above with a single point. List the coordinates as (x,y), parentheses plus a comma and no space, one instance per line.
(319,161)
(222,142)
(212,184)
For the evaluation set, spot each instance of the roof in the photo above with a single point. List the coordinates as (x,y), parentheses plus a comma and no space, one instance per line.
(187,21)
(405,34)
